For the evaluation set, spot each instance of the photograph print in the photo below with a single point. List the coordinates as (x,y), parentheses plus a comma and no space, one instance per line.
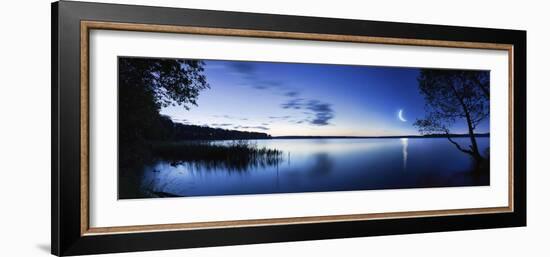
(189,127)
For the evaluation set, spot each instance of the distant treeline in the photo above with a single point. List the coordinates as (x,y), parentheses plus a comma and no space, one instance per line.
(177,131)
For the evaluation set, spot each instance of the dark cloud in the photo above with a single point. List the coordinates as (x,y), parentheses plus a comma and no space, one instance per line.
(292,93)
(250,76)
(295,103)
(323,112)
(259,127)
(260,87)
(320,113)
(272,83)
(300,121)
(242,67)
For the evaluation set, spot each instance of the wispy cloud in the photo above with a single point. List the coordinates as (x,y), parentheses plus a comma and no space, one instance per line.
(243,67)
(229,117)
(279,117)
(250,76)
(251,127)
(318,113)
(182,121)
(299,121)
(295,103)
(221,124)
(292,93)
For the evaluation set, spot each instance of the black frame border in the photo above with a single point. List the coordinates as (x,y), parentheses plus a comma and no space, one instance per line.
(66,236)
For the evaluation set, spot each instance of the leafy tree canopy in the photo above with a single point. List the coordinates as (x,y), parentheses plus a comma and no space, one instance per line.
(148,84)
(454,96)
(168,81)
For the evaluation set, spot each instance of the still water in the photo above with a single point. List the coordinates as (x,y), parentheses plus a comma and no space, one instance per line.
(312,165)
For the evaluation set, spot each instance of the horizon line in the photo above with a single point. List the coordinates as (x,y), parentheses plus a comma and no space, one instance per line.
(382,136)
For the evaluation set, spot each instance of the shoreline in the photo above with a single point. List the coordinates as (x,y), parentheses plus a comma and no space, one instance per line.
(340,137)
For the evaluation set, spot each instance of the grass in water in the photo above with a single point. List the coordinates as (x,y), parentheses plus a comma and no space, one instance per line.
(238,155)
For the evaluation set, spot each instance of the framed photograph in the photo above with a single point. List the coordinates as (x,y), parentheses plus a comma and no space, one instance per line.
(177,128)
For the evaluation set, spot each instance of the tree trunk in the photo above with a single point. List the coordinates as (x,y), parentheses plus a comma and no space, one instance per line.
(473,141)
(474,150)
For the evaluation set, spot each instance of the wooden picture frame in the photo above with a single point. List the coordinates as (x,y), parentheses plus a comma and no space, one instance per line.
(71,25)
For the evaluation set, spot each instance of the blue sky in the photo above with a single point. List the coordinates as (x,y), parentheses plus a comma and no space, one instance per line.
(308,99)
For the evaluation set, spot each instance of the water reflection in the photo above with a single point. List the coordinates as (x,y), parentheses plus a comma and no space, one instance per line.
(311,166)
(405,143)
(322,164)
(242,165)
(230,156)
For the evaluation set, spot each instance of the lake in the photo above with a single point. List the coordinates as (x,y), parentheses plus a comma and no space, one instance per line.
(315,165)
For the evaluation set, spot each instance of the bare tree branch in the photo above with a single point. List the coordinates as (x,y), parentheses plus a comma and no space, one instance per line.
(458,145)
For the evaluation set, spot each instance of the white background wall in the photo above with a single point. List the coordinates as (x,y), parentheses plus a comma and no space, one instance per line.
(25,127)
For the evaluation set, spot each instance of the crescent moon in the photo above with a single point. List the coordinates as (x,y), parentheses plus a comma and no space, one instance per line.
(400,116)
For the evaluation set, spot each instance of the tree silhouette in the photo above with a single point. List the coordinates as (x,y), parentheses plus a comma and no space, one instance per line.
(454,96)
(145,86)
